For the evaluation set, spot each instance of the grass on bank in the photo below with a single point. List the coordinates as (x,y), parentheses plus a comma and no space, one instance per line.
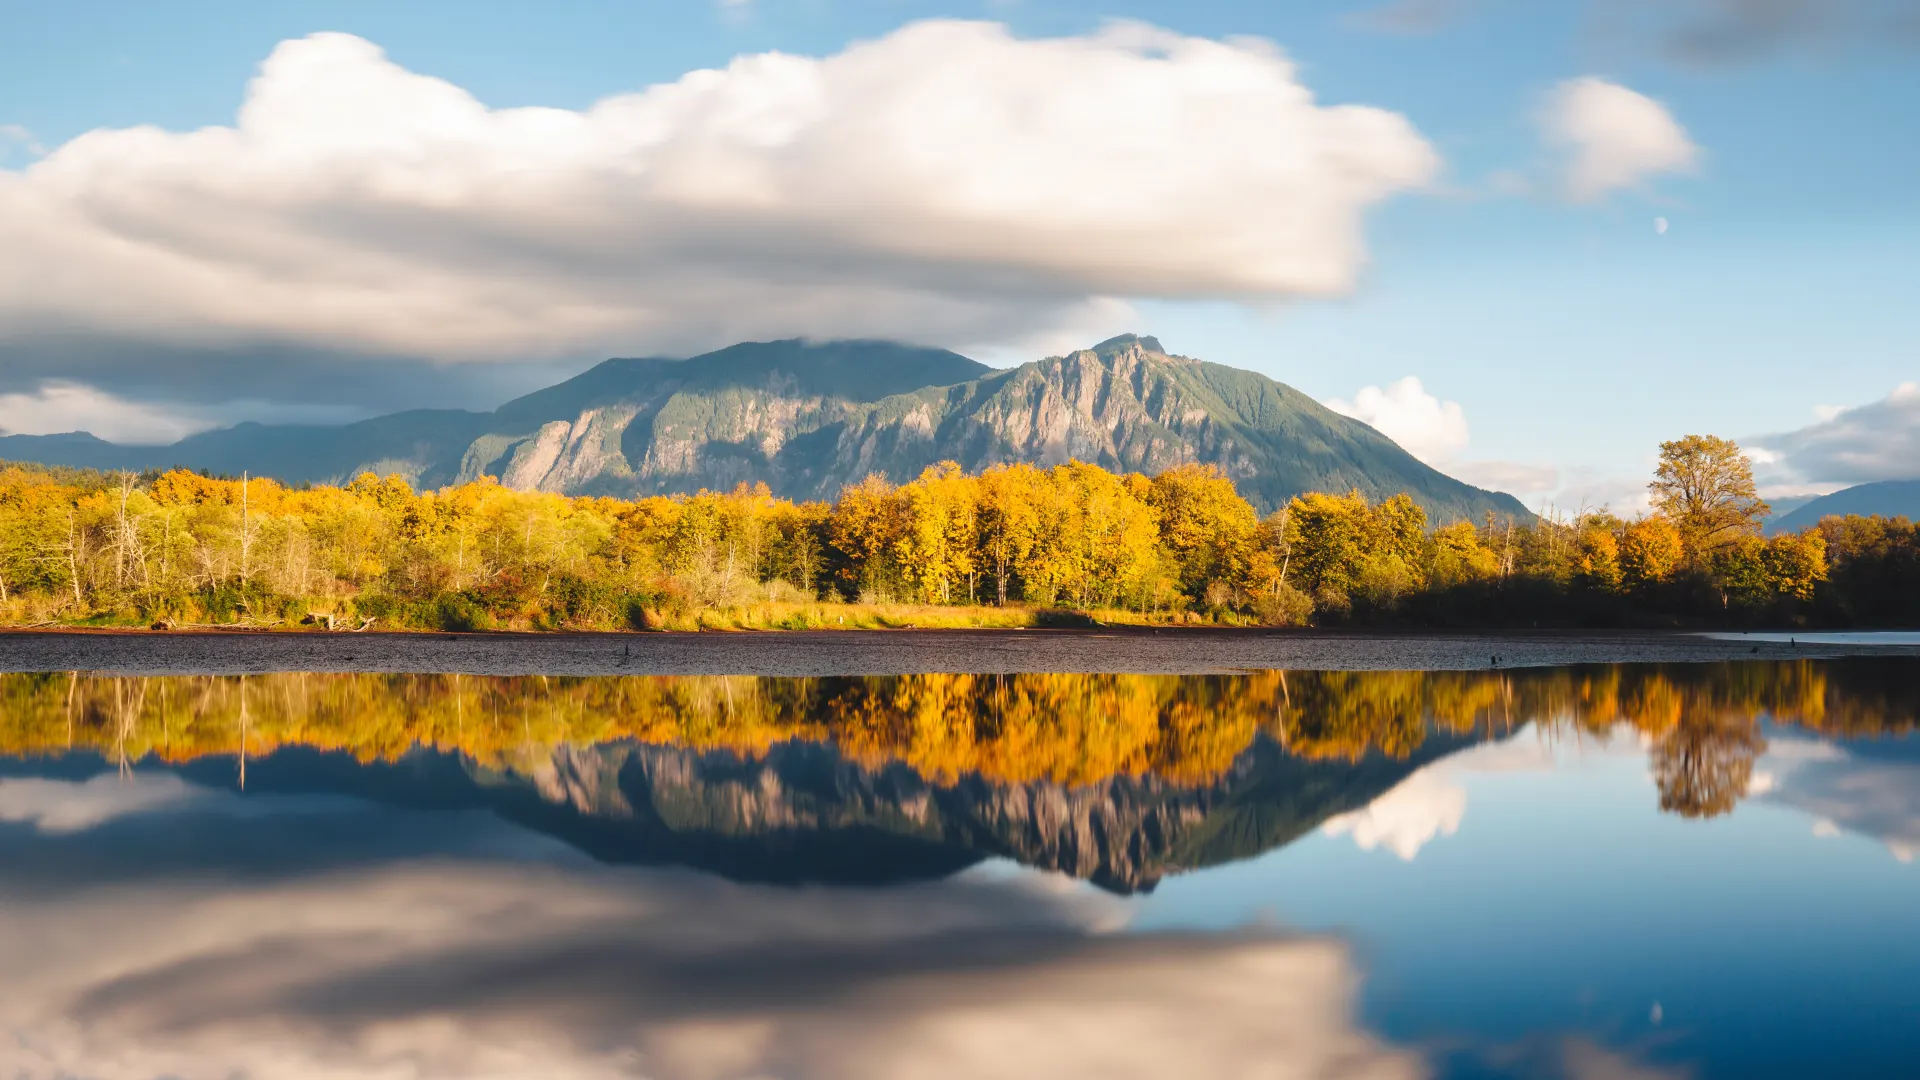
(769,615)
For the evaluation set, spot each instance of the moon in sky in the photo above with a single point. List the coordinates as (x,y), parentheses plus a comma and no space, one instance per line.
(1660,226)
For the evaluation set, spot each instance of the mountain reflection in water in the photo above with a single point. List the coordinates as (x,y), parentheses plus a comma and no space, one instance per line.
(1114,778)
(342,875)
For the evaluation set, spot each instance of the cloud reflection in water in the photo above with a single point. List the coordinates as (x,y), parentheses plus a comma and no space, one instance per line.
(473,967)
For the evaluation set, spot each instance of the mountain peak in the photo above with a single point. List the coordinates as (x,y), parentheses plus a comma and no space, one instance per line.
(807,418)
(1123,342)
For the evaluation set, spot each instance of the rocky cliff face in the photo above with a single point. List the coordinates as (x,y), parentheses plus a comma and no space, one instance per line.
(808,419)
(1125,404)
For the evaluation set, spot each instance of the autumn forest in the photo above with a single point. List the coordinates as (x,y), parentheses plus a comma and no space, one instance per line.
(1016,545)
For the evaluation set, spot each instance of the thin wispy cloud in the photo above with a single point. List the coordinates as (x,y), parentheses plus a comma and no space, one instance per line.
(1717,32)
(1409,16)
(14,137)
(1693,33)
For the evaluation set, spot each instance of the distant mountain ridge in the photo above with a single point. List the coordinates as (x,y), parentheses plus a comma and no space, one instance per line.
(1886,498)
(810,418)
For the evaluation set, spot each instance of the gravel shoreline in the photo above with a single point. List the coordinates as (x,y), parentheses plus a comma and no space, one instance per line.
(886,652)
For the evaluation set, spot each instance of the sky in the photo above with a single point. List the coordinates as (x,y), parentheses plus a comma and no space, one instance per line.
(1529,239)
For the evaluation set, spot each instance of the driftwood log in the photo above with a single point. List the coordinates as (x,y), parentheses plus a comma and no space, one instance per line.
(329,621)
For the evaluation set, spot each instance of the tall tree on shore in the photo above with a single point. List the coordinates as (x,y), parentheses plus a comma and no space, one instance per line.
(1704,485)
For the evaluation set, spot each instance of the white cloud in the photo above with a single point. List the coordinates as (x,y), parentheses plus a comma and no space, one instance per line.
(1426,427)
(947,182)
(453,968)
(1612,137)
(1435,431)
(1418,809)
(63,406)
(1867,796)
(1591,489)
(1876,441)
(1431,803)
(64,806)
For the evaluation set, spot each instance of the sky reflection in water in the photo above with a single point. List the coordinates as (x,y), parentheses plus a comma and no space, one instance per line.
(1594,872)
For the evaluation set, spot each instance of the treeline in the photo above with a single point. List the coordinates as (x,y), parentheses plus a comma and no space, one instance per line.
(1702,722)
(1010,546)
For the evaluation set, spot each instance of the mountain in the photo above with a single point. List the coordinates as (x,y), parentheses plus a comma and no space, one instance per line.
(1887,498)
(802,812)
(809,418)
(1779,506)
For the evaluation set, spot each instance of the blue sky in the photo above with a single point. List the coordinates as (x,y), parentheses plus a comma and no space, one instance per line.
(1572,335)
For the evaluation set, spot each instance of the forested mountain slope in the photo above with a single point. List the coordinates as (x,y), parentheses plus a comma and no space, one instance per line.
(1885,498)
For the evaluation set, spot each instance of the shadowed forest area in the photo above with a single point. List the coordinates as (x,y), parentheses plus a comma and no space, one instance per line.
(1702,722)
(1016,545)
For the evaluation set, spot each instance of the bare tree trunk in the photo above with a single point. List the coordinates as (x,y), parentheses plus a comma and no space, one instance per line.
(73,555)
(120,534)
(243,733)
(246,539)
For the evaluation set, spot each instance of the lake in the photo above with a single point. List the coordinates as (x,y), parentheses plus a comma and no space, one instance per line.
(249,857)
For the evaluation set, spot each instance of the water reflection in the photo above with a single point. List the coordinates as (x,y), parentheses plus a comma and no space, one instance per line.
(483,968)
(311,875)
(1117,779)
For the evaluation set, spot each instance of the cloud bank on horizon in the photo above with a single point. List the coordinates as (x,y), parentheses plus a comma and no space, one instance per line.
(1876,441)
(887,190)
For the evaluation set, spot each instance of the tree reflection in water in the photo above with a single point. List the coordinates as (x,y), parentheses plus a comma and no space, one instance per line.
(1071,730)
(1704,765)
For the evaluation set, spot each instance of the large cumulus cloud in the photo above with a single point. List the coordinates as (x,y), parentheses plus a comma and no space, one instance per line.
(947,183)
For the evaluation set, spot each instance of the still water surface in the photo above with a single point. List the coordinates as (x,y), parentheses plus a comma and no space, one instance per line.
(1600,871)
